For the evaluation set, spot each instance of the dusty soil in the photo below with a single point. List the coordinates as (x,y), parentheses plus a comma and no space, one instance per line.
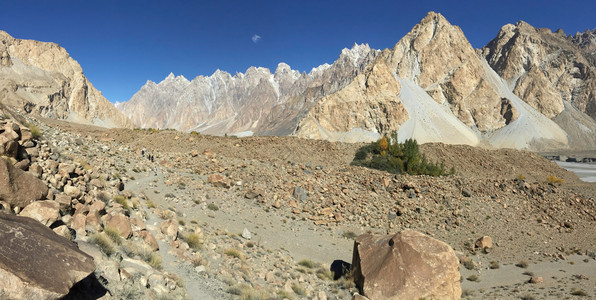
(309,201)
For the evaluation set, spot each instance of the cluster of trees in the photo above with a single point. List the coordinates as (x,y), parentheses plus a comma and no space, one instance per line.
(387,154)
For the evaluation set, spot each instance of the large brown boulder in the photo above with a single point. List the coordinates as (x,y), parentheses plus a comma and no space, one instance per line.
(19,188)
(406,265)
(46,212)
(36,263)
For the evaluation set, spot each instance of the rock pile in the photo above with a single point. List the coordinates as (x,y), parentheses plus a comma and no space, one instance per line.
(78,202)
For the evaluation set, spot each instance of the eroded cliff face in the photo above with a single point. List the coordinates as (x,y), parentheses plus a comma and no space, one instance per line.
(41,78)
(437,56)
(361,111)
(254,102)
(544,68)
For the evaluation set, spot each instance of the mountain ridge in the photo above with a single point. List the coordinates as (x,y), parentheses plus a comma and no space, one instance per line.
(360,99)
(42,79)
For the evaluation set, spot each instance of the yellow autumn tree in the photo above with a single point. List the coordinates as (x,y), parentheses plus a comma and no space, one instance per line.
(384,145)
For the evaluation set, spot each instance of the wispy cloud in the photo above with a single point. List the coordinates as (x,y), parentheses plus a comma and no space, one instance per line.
(256,38)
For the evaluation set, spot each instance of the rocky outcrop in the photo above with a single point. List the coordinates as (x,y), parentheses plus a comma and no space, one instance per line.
(407,265)
(41,78)
(36,263)
(370,104)
(544,68)
(435,88)
(19,188)
(437,56)
(587,42)
(254,102)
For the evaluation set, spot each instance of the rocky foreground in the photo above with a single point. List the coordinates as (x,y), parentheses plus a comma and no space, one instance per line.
(218,218)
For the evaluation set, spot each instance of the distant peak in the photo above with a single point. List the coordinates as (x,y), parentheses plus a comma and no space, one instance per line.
(171,76)
(434,17)
(282,67)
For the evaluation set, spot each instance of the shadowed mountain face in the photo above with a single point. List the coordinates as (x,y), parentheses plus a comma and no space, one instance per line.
(42,79)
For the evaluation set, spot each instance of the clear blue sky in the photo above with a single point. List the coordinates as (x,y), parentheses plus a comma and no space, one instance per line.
(122,44)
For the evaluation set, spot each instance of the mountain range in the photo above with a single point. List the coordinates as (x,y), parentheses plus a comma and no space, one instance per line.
(527,88)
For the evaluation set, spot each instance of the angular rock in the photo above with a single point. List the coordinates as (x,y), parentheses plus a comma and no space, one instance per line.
(37,263)
(46,212)
(121,223)
(218,181)
(484,242)
(19,188)
(78,223)
(72,191)
(407,265)
(149,239)
(170,228)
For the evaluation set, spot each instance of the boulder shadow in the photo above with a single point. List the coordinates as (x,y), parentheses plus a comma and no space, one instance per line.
(340,268)
(90,288)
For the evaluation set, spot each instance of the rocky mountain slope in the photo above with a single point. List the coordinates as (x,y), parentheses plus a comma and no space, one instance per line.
(256,101)
(41,78)
(233,218)
(301,209)
(528,88)
(548,71)
(450,93)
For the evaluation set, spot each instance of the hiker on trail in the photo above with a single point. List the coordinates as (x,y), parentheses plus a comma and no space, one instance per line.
(155,170)
(152,158)
(143,152)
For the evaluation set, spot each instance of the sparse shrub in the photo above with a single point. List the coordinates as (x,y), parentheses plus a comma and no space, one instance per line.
(397,158)
(528,273)
(283,294)
(578,292)
(324,274)
(554,180)
(349,235)
(150,204)
(122,201)
(113,234)
(139,249)
(155,261)
(520,177)
(235,253)
(467,293)
(473,278)
(298,290)
(468,263)
(35,132)
(522,264)
(192,239)
(494,264)
(103,196)
(212,206)
(307,263)
(528,297)
(103,242)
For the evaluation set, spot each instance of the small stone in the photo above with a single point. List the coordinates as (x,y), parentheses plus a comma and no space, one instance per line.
(536,279)
(246,234)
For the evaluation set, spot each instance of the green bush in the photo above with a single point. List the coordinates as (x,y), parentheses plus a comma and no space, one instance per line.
(398,158)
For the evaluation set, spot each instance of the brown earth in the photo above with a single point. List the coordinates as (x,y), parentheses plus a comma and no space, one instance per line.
(301,197)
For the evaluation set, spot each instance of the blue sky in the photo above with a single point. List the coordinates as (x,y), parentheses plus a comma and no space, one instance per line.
(122,44)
